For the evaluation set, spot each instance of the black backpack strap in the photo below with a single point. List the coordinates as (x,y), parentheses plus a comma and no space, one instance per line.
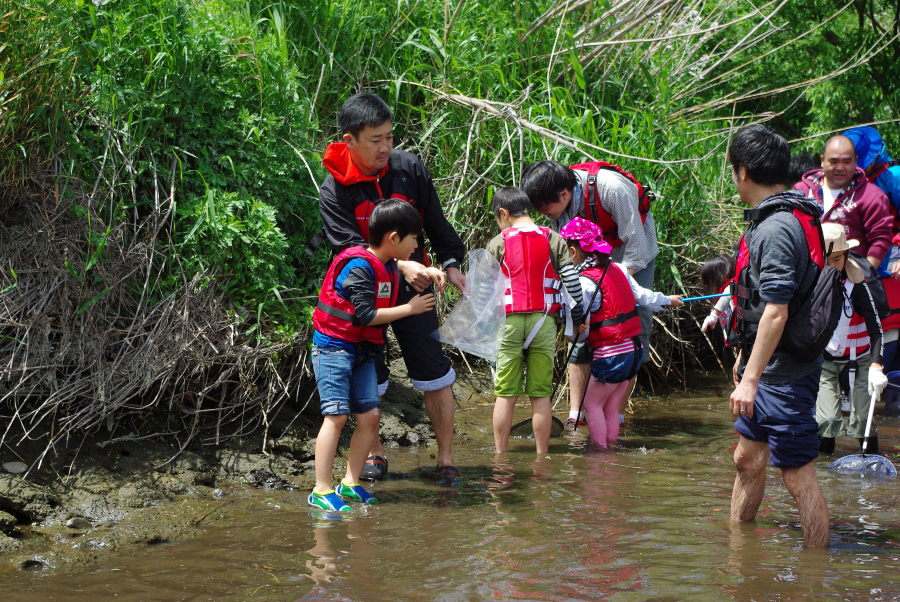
(590,207)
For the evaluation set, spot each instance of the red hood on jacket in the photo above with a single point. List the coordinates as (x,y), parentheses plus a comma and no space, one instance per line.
(337,161)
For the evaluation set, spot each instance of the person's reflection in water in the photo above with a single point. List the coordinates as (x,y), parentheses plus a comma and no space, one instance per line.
(599,570)
(790,575)
(324,567)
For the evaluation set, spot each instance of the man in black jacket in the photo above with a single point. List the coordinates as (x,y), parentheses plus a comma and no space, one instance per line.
(364,169)
(774,399)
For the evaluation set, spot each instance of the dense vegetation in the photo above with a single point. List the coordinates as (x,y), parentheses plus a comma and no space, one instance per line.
(159,156)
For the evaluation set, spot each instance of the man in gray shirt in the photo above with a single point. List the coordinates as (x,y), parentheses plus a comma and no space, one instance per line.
(774,399)
(559,192)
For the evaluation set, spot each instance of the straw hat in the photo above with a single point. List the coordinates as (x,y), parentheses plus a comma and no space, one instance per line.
(836,242)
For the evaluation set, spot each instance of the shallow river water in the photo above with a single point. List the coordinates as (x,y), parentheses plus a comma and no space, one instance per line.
(646,523)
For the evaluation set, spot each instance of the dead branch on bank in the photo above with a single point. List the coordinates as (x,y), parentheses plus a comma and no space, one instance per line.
(87,342)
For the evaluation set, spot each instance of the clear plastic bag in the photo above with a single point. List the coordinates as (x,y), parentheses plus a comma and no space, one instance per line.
(475,325)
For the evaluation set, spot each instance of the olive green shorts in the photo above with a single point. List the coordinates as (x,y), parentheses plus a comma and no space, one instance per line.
(536,362)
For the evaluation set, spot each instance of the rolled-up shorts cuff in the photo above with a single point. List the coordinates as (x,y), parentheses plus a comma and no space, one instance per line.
(436,384)
(582,354)
(784,417)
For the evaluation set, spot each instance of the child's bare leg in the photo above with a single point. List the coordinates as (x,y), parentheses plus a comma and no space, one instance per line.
(611,410)
(594,401)
(364,434)
(503,411)
(326,448)
(541,421)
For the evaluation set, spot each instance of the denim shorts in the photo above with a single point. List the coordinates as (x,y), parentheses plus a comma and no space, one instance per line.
(344,387)
(617,368)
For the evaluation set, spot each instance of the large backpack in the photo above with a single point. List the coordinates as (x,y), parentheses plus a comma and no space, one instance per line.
(595,212)
(813,316)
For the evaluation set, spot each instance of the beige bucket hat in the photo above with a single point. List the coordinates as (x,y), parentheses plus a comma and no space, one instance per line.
(836,242)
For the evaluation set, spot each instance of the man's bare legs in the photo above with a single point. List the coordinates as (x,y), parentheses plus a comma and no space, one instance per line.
(803,484)
(750,459)
(441,408)
(578,380)
(624,403)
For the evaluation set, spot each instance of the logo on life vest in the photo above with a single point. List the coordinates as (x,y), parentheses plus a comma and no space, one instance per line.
(384,290)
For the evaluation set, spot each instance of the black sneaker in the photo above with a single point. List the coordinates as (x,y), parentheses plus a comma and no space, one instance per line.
(826,445)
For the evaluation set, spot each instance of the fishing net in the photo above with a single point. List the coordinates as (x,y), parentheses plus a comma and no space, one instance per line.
(476,322)
(866,466)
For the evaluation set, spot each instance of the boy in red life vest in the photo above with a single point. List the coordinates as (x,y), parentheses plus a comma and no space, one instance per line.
(537,264)
(358,298)
(614,326)
(856,346)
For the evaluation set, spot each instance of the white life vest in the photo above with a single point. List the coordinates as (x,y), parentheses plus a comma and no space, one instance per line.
(851,338)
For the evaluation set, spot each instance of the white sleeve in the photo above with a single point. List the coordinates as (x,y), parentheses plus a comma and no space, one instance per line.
(588,287)
(722,304)
(645,297)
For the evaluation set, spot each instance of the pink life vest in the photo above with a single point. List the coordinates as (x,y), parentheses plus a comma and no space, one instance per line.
(617,319)
(533,283)
(335,316)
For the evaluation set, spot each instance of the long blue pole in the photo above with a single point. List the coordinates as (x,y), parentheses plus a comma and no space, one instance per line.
(716,296)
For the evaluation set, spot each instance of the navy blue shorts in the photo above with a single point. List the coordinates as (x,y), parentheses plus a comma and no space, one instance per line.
(784,416)
(617,368)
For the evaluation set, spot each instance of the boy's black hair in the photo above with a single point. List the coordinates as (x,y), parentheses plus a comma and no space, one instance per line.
(363,110)
(716,271)
(800,164)
(393,215)
(513,200)
(762,152)
(544,181)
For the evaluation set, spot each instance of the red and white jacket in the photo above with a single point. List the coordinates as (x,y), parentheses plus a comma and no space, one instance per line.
(335,316)
(534,285)
(851,337)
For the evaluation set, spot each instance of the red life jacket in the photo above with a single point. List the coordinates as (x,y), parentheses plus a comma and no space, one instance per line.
(892,288)
(334,315)
(617,319)
(533,283)
(748,306)
(594,212)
